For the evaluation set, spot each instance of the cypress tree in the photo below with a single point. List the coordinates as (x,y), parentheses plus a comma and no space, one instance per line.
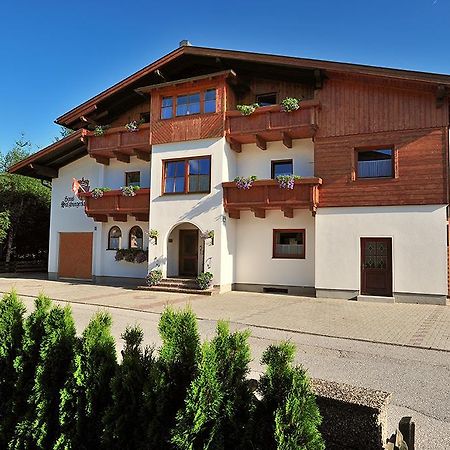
(26,364)
(219,400)
(12,312)
(52,372)
(177,367)
(125,420)
(87,393)
(286,417)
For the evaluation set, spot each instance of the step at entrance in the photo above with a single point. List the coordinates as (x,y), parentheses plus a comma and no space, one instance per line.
(178,285)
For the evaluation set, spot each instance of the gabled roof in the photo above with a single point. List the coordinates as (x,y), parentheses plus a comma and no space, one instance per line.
(132,82)
(45,163)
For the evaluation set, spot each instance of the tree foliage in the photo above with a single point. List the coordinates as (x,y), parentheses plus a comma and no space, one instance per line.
(26,202)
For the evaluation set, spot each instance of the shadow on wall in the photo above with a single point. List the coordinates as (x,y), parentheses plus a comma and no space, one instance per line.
(157,263)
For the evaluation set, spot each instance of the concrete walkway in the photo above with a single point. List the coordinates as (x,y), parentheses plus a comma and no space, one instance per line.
(421,326)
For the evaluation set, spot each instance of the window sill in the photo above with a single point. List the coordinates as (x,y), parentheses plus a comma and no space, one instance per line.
(288,257)
(185,193)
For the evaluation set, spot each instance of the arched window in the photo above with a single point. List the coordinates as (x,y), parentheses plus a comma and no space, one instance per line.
(136,238)
(114,238)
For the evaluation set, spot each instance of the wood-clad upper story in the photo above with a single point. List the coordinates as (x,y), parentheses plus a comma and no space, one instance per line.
(346,109)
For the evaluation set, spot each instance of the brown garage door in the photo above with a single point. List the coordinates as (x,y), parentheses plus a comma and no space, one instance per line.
(75,255)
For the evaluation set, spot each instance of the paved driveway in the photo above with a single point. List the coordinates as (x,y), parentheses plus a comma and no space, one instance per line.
(422,326)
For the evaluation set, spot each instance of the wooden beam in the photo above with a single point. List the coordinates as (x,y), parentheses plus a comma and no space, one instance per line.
(100,218)
(288,212)
(234,214)
(102,160)
(261,142)
(122,157)
(235,146)
(141,217)
(44,170)
(440,96)
(88,120)
(318,79)
(260,213)
(287,140)
(119,217)
(140,154)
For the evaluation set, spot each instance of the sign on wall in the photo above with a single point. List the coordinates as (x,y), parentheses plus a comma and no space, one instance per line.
(73,201)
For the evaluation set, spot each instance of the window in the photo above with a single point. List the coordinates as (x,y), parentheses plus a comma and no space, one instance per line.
(114,238)
(375,163)
(136,238)
(282,167)
(210,101)
(289,244)
(167,108)
(132,178)
(266,99)
(188,104)
(144,117)
(187,176)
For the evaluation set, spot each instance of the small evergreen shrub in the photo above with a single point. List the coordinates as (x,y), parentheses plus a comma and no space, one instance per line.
(12,312)
(87,393)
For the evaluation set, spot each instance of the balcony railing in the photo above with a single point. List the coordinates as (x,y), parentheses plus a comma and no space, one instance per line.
(267,194)
(269,123)
(119,143)
(117,206)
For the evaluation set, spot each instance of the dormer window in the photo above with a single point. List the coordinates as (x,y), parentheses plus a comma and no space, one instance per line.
(188,104)
(267,99)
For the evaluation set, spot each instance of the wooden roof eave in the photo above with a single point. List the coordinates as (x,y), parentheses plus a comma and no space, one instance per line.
(286,61)
(45,163)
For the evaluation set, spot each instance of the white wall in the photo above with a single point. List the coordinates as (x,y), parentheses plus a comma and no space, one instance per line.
(254,161)
(115,172)
(107,265)
(73,218)
(419,246)
(69,218)
(254,243)
(205,211)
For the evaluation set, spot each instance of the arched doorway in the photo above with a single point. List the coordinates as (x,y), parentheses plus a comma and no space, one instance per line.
(184,251)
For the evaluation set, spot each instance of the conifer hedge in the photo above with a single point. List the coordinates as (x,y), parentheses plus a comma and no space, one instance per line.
(60,391)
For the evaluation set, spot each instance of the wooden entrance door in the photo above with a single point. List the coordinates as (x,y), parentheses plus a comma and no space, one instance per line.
(376,266)
(188,257)
(75,256)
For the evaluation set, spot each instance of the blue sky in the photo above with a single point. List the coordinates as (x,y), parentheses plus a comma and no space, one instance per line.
(54,55)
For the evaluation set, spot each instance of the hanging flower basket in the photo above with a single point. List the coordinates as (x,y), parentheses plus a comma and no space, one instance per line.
(153,235)
(129,191)
(132,255)
(98,192)
(154,277)
(245,182)
(290,104)
(287,181)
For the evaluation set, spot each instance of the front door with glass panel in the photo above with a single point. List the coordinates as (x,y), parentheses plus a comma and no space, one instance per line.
(188,256)
(376,266)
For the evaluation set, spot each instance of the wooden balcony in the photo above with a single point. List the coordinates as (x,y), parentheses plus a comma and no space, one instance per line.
(266,195)
(119,143)
(269,123)
(115,205)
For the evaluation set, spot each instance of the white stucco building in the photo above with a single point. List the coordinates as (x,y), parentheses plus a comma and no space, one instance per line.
(364,215)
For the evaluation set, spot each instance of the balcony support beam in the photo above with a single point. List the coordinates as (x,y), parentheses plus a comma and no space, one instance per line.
(259,213)
(141,217)
(100,218)
(102,160)
(288,212)
(261,142)
(235,146)
(122,157)
(144,156)
(234,214)
(119,217)
(287,140)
